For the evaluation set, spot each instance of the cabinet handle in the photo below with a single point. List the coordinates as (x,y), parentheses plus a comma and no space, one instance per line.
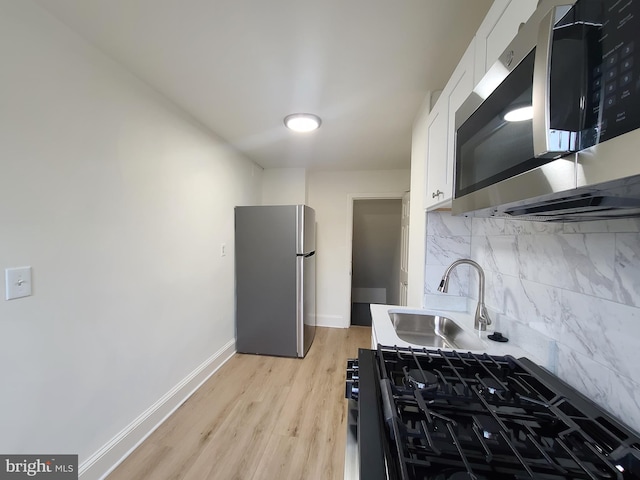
(437,194)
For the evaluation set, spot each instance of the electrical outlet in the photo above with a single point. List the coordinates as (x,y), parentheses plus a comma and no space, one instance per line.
(18,282)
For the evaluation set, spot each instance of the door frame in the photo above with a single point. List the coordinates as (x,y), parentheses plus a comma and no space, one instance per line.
(404,248)
(352,197)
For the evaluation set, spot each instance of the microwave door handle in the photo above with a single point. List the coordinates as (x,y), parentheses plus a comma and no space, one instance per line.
(542,80)
(541,85)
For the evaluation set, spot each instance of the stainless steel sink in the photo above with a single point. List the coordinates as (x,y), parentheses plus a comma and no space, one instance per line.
(433,331)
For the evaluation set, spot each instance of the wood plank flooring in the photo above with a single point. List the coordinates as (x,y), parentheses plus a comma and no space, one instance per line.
(258,418)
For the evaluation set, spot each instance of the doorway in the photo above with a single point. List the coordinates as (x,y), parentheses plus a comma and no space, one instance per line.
(376,256)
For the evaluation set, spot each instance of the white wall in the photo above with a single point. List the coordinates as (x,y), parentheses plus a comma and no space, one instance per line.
(119,202)
(284,186)
(329,195)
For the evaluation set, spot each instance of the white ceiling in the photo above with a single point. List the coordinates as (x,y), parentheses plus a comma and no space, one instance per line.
(240,66)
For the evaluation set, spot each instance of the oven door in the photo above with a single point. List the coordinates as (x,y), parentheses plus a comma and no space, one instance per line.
(351,457)
(526,112)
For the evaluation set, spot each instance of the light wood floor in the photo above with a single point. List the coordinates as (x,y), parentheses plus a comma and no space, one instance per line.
(258,418)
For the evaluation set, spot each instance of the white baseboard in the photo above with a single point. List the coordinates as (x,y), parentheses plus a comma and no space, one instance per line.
(333,321)
(106,459)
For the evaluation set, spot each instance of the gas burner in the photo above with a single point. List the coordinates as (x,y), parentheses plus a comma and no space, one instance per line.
(420,379)
(466,416)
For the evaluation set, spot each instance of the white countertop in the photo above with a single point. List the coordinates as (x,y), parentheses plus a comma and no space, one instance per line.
(384,333)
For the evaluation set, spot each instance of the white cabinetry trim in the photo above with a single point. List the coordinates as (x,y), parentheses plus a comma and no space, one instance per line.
(485,30)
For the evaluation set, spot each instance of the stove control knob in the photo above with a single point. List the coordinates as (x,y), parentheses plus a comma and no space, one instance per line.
(352,379)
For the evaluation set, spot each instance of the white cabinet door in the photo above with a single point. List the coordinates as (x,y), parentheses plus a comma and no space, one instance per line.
(497,30)
(441,133)
(437,137)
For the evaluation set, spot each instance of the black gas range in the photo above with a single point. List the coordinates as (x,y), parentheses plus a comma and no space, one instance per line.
(433,414)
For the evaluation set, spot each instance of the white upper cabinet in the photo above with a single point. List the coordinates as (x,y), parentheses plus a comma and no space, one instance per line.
(497,30)
(441,133)
(436,171)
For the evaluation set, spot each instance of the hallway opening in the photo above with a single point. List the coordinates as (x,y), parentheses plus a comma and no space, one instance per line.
(376,255)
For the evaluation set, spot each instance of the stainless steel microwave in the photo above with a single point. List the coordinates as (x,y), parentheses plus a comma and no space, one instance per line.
(552,131)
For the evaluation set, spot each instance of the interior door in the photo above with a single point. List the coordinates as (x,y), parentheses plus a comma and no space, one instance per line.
(404,250)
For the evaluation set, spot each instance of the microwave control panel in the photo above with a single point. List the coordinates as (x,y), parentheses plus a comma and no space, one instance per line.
(612,105)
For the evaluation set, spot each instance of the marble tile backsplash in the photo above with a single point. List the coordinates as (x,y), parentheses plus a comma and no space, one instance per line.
(569,291)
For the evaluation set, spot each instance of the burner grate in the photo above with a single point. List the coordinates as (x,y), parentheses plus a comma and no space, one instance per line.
(491,417)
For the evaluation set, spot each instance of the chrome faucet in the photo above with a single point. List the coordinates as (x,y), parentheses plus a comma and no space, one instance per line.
(481,319)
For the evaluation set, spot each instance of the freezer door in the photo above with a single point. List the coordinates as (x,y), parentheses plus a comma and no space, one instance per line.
(306,229)
(306,302)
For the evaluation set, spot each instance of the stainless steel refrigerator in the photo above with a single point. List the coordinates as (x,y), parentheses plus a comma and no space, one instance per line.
(275,279)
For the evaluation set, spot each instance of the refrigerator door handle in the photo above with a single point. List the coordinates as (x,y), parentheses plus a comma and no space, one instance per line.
(300,304)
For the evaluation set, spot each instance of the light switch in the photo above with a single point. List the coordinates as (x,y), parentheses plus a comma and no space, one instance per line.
(18,282)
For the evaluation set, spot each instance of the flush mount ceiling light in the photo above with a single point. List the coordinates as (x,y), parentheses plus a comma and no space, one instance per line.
(519,114)
(302,122)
